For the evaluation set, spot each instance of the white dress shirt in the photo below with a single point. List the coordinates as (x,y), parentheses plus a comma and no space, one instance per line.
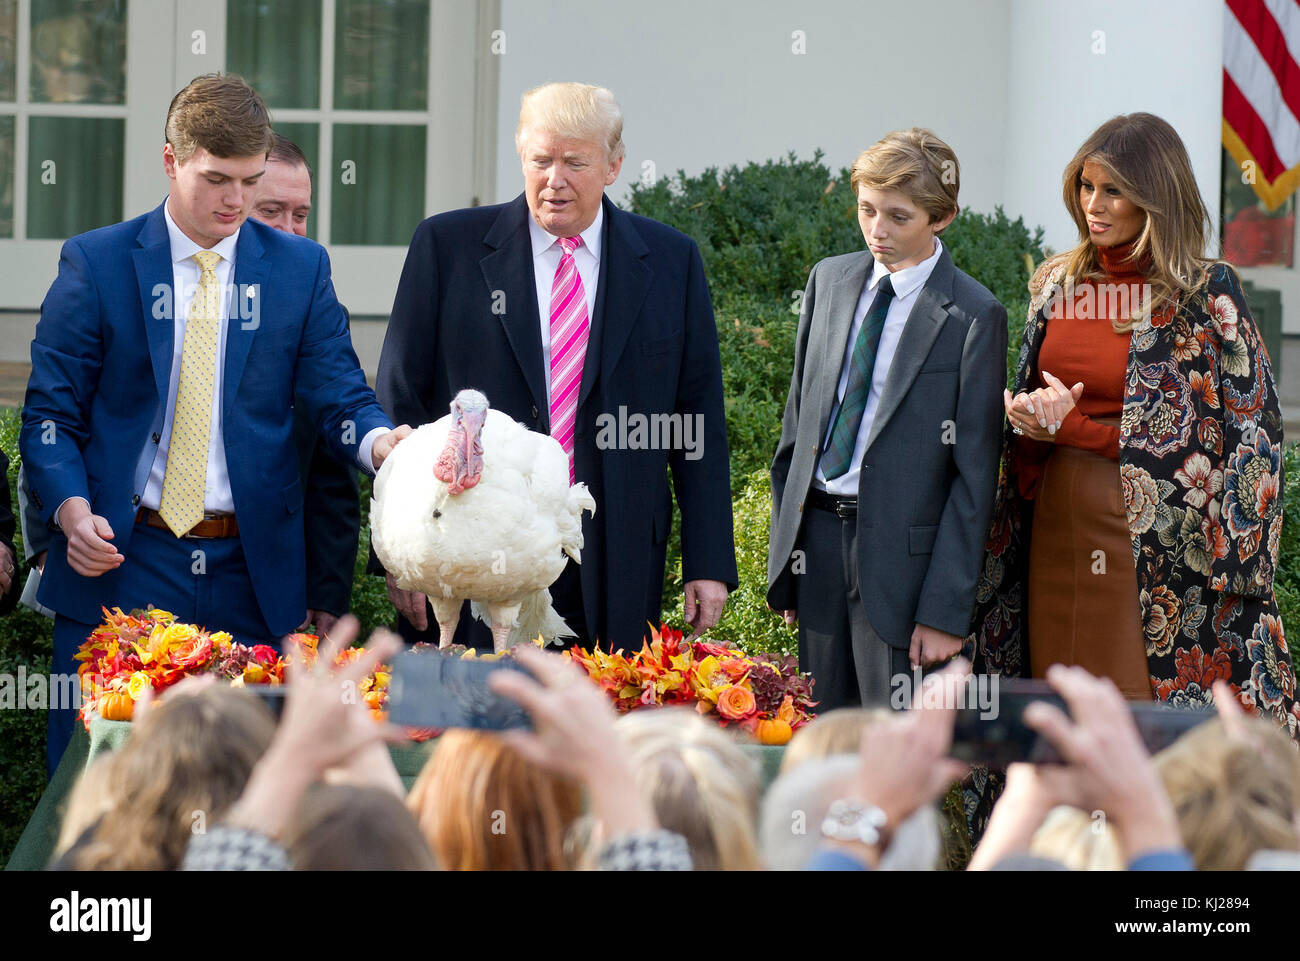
(547,253)
(185,280)
(907,284)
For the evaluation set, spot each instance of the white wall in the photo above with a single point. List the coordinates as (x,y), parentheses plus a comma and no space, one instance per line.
(1160,56)
(709,83)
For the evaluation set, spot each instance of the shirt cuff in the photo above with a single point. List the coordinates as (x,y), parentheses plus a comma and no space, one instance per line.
(54,518)
(364,455)
(1175,860)
(827,860)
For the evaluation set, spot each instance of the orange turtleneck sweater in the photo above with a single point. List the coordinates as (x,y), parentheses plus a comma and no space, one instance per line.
(1079,345)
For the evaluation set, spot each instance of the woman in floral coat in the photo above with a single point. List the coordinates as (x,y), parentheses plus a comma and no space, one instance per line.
(1197,438)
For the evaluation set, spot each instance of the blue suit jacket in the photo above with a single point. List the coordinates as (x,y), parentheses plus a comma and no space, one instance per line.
(101,364)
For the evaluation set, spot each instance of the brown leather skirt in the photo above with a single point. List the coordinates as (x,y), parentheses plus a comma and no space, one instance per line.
(1083,596)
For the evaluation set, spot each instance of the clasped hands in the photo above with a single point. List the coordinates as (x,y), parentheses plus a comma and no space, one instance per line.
(1039,414)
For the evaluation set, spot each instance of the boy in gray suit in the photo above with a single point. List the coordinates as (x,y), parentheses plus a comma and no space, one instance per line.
(883,482)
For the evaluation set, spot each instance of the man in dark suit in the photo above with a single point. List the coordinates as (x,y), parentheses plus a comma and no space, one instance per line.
(883,481)
(331,503)
(157,429)
(585,322)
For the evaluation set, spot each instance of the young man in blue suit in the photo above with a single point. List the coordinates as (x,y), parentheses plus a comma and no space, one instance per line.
(158,426)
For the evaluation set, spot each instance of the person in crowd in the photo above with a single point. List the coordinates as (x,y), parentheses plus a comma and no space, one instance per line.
(1233,782)
(572,735)
(1105,767)
(186,762)
(833,732)
(165,460)
(798,801)
(348,827)
(569,314)
(1236,789)
(10,589)
(482,807)
(887,463)
(331,503)
(1142,451)
(702,785)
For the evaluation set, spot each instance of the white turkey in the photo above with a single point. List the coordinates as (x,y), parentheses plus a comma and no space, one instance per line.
(477,507)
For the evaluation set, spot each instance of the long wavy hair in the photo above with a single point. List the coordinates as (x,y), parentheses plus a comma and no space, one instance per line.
(483,807)
(184,765)
(1146,159)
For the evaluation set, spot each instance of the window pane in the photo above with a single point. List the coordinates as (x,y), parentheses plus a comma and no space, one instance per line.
(6,176)
(381,55)
(8,49)
(307,137)
(74,175)
(277,50)
(378,185)
(78,51)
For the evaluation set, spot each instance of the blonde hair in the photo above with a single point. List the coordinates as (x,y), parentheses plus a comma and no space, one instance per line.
(483,807)
(835,732)
(1148,162)
(577,111)
(1233,795)
(187,759)
(915,162)
(1078,841)
(702,785)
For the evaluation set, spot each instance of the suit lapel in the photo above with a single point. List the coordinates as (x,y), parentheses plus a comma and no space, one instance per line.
(919,332)
(509,269)
(153,272)
(845,294)
(251,271)
(618,304)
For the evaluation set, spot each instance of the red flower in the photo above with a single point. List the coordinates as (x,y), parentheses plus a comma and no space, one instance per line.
(263,654)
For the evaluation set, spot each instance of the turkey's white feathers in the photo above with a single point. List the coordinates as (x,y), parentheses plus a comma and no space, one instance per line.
(499,543)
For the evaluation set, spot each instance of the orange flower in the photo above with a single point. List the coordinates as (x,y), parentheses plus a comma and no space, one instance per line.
(736,703)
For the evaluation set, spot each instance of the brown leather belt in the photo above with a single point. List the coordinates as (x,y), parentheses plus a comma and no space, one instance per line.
(212,525)
(838,504)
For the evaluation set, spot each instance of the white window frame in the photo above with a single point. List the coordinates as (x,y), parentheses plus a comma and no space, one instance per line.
(460,123)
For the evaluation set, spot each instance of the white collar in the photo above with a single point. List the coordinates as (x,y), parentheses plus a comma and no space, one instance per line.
(183,248)
(543,240)
(909,278)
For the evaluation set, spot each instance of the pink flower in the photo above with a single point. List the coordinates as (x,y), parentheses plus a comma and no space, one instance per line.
(1201,479)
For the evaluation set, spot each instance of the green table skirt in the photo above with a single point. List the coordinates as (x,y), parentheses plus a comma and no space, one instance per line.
(37,843)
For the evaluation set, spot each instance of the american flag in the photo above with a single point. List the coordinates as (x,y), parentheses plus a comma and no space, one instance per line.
(1261,94)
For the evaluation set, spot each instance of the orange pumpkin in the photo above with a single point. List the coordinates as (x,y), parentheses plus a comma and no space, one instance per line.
(116,706)
(774,731)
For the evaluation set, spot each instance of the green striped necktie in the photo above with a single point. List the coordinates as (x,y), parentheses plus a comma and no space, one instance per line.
(838,456)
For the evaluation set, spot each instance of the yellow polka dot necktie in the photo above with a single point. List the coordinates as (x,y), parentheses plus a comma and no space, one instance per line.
(186,474)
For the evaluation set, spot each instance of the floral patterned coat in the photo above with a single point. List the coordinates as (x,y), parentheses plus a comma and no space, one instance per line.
(1201,469)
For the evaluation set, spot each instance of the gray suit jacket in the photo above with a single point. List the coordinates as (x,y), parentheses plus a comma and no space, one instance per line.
(925,496)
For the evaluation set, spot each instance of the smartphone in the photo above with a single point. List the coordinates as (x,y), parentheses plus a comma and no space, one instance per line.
(429,689)
(1001,737)
(272,695)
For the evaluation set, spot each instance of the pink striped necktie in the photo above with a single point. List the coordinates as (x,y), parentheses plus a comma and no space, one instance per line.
(569,329)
